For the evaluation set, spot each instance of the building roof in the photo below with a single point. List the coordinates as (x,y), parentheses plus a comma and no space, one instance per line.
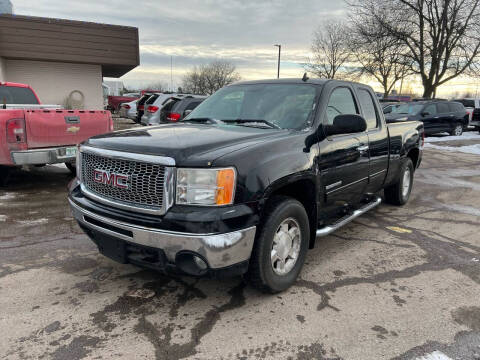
(114,47)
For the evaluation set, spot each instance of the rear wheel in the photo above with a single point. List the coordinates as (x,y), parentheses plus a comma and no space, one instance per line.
(399,193)
(72,167)
(457,130)
(280,247)
(4,174)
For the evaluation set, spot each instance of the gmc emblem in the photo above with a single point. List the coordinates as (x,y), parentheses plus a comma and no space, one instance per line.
(107,178)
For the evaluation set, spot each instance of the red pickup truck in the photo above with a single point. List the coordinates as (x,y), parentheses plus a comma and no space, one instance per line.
(36,134)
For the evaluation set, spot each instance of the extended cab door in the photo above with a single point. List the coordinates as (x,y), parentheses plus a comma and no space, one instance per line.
(377,137)
(344,161)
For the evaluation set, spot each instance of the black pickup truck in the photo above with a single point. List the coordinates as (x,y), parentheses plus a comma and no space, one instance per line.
(247,182)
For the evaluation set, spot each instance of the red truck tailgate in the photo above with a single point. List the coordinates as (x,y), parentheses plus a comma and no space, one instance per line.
(47,128)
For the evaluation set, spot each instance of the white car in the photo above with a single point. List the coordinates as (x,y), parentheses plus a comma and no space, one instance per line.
(129,110)
(472,106)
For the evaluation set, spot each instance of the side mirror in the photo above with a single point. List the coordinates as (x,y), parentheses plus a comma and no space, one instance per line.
(347,124)
(187,112)
(425,113)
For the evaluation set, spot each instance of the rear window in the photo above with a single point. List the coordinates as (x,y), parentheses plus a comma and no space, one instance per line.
(152,99)
(17,95)
(466,102)
(167,108)
(456,107)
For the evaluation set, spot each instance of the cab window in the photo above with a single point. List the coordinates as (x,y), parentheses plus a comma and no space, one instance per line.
(368,108)
(341,102)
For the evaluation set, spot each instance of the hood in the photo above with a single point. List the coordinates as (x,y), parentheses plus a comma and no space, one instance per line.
(189,144)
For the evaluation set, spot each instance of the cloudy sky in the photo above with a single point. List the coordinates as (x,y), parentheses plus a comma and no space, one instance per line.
(198,31)
(195,32)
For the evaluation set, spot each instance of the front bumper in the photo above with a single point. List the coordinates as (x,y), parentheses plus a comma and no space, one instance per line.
(220,251)
(42,156)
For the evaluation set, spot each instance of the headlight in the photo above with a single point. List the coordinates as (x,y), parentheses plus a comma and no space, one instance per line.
(402,119)
(206,186)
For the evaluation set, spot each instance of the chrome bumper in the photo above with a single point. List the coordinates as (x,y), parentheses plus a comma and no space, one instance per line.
(219,250)
(42,156)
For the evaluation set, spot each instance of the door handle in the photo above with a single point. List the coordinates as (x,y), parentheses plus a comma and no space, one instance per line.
(362,148)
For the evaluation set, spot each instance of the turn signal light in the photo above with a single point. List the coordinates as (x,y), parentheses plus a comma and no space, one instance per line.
(152,109)
(173,117)
(16,134)
(225,186)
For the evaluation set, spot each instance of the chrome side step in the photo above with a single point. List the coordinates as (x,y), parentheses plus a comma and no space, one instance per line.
(345,220)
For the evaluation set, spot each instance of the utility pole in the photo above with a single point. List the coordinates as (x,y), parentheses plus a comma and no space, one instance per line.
(171,73)
(279,54)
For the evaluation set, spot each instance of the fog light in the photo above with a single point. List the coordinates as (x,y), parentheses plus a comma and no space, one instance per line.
(191,263)
(202,265)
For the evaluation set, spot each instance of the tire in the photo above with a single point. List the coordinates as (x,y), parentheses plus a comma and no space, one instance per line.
(72,167)
(397,194)
(4,175)
(264,273)
(457,130)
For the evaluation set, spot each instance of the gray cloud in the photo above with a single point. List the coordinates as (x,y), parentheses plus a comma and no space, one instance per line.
(197,31)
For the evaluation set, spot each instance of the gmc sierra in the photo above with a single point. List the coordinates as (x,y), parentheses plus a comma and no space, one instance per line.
(245,183)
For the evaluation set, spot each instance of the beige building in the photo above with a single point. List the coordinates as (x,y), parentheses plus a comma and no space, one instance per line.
(57,57)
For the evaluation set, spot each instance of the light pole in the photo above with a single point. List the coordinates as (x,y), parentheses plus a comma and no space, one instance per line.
(279,52)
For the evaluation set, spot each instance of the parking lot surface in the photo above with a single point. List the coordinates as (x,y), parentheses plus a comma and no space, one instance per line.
(397,283)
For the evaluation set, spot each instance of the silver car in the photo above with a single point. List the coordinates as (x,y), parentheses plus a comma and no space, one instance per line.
(153,111)
(129,110)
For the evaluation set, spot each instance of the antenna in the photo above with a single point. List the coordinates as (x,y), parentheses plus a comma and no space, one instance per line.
(305,77)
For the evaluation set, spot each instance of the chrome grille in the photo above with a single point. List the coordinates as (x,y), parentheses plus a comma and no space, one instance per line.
(145,180)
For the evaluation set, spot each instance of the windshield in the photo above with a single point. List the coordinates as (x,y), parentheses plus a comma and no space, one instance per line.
(17,95)
(410,109)
(286,106)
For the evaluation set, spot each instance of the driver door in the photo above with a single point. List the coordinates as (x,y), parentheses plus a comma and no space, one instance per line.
(344,159)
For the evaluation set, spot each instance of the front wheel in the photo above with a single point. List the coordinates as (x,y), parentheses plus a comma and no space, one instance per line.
(457,130)
(399,193)
(280,246)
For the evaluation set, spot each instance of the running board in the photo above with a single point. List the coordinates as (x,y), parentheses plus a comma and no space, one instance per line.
(345,220)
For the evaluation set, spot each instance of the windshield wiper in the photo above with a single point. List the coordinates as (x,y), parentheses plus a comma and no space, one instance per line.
(203,120)
(250,121)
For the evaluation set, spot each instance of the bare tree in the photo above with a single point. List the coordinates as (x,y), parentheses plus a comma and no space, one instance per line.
(206,79)
(442,37)
(377,54)
(157,85)
(330,51)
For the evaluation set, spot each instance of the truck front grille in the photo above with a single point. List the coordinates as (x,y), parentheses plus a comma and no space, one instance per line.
(141,184)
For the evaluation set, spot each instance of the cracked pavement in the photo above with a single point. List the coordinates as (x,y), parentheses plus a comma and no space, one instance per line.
(397,283)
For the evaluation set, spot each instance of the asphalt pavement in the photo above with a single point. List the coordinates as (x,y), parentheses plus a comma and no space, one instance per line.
(397,283)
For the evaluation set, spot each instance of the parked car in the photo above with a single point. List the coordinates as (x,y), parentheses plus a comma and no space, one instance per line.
(181,108)
(173,109)
(161,105)
(473,109)
(389,107)
(437,116)
(247,181)
(129,110)
(114,102)
(141,106)
(32,135)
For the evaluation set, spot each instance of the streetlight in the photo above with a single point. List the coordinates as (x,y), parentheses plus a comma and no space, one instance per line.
(279,52)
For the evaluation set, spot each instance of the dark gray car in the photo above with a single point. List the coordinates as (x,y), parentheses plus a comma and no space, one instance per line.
(437,116)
